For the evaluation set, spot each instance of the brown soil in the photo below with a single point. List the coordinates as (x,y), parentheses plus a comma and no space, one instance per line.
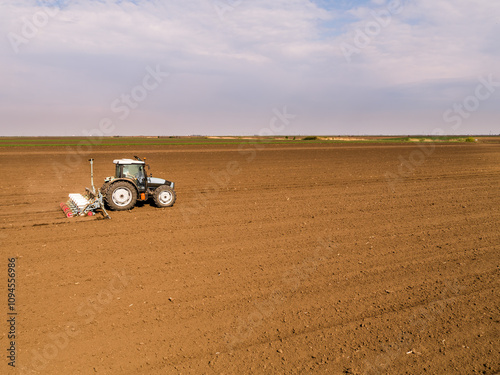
(328,259)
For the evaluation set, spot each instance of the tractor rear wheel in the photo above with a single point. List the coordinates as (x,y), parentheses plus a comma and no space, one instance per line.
(164,196)
(121,196)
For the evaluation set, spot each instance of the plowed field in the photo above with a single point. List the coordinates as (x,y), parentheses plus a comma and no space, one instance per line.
(281,259)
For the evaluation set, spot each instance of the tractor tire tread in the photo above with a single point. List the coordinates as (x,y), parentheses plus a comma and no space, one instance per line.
(108,195)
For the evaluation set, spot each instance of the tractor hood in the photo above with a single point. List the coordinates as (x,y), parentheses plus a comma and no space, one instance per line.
(156,181)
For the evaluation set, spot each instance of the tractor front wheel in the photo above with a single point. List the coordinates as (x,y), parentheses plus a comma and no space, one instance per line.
(164,196)
(121,196)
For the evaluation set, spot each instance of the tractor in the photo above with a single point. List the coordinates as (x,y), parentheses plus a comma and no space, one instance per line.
(131,184)
(121,191)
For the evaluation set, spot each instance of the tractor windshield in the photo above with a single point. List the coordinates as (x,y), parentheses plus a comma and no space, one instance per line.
(133,171)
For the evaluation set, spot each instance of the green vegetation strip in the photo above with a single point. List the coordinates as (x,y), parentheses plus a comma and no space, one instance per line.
(204,141)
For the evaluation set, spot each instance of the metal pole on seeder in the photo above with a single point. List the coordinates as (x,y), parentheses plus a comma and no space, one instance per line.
(92,175)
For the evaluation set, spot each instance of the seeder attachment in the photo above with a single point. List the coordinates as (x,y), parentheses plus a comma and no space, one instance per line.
(85,205)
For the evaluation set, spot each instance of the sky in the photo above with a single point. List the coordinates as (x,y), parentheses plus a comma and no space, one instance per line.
(246,67)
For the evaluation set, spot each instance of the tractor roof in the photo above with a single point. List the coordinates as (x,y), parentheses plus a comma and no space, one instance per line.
(127,161)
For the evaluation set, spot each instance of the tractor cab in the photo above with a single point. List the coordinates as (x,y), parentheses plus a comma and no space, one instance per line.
(128,168)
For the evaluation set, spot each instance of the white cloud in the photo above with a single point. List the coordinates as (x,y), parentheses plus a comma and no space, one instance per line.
(431,40)
(234,65)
